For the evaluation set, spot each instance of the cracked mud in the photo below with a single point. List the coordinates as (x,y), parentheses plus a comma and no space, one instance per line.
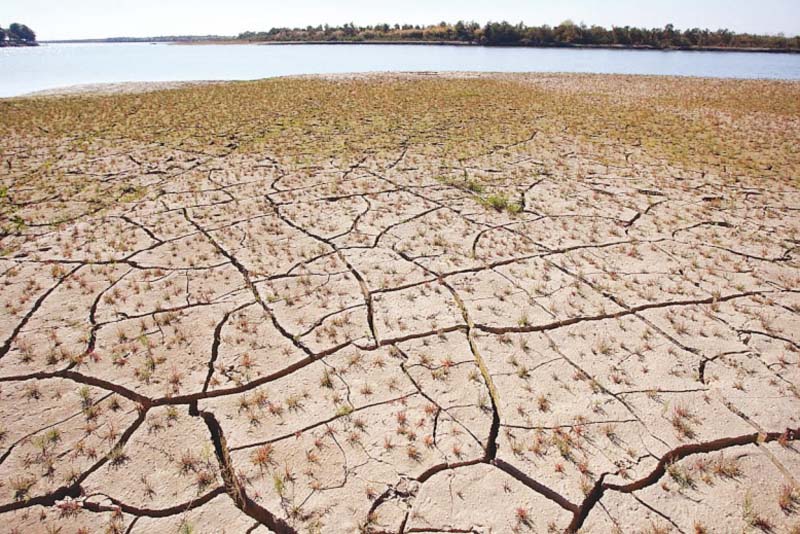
(402,303)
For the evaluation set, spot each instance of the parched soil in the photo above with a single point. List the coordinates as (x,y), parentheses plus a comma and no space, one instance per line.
(402,303)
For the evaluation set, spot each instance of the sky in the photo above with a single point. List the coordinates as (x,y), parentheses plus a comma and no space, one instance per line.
(77,19)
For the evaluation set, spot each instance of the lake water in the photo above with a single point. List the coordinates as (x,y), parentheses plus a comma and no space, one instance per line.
(57,65)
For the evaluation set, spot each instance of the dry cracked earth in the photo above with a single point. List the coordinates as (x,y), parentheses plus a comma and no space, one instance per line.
(408,303)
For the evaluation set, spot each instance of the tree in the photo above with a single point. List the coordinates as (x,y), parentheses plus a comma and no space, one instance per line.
(2,35)
(28,34)
(566,32)
(461,31)
(466,31)
(21,32)
(622,36)
(500,33)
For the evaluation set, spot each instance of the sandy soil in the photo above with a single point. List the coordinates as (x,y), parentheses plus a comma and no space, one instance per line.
(404,303)
(115,88)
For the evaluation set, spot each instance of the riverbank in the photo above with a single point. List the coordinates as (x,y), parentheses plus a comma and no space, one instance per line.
(107,89)
(123,88)
(555,46)
(96,89)
(232,41)
(17,44)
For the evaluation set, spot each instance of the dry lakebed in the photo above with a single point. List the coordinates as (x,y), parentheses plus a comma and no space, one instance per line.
(402,303)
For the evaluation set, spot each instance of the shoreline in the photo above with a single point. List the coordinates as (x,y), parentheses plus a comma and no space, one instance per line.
(117,88)
(563,47)
(18,44)
(433,43)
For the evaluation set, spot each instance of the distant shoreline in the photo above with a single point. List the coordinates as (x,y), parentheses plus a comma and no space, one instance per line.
(17,44)
(117,88)
(206,42)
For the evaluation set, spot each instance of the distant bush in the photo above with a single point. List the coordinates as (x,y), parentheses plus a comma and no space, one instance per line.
(17,33)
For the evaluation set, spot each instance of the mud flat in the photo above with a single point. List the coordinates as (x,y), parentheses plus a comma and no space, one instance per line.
(402,303)
(95,89)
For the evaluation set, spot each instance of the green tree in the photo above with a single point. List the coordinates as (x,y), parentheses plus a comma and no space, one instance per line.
(21,32)
(566,32)
(500,33)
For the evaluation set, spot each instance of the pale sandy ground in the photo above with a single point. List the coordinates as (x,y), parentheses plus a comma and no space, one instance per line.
(115,88)
(244,346)
(99,89)
(148,87)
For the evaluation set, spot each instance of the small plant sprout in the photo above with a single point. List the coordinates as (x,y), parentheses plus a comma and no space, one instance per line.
(522,516)
(262,456)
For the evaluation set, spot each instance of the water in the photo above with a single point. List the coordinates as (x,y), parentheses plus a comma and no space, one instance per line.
(58,65)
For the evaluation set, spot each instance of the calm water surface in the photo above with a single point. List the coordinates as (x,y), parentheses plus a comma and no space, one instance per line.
(57,65)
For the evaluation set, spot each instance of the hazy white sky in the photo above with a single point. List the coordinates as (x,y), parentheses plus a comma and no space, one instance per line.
(68,19)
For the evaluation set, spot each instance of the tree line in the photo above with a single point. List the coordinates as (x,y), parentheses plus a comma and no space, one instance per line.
(17,34)
(505,34)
